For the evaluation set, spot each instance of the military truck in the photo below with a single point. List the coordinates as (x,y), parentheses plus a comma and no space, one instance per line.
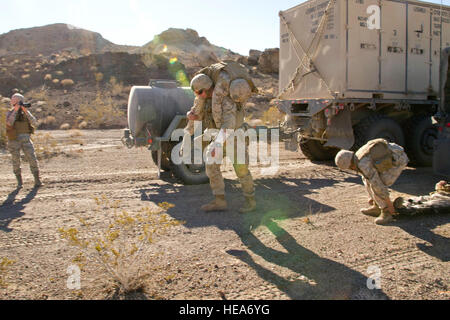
(441,161)
(154,113)
(355,70)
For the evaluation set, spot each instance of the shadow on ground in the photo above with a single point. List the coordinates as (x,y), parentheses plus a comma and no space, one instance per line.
(422,226)
(277,199)
(11,210)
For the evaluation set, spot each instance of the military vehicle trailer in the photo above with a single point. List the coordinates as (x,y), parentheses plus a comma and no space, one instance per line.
(154,113)
(355,70)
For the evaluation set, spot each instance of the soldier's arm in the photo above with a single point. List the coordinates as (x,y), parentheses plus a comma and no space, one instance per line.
(30,117)
(11,118)
(221,90)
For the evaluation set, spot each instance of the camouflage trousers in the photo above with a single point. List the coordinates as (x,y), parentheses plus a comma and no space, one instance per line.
(24,143)
(242,172)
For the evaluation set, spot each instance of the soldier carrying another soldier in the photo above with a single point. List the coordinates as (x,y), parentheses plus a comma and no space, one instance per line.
(379,163)
(228,86)
(20,124)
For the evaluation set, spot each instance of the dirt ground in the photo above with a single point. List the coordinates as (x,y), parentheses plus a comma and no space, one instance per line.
(306,240)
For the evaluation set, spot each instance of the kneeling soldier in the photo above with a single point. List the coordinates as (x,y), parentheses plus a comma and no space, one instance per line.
(380,164)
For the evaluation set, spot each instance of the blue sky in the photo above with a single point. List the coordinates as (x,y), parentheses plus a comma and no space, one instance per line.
(238,25)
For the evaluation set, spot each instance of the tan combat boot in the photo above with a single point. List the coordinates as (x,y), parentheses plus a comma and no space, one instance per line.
(249,206)
(373,211)
(384,218)
(37,180)
(218,204)
(19,181)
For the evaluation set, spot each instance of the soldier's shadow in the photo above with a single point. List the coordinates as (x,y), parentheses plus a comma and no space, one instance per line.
(11,210)
(422,226)
(277,200)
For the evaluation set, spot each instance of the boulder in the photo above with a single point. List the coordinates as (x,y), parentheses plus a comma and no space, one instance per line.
(253,57)
(269,61)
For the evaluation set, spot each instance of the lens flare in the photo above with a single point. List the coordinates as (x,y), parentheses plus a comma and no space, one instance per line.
(164,48)
(182,78)
(173,60)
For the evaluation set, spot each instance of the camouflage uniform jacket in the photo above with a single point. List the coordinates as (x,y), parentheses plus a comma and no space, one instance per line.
(377,181)
(12,115)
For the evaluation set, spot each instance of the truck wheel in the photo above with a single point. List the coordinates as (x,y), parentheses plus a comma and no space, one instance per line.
(314,150)
(165,162)
(421,134)
(190,174)
(378,126)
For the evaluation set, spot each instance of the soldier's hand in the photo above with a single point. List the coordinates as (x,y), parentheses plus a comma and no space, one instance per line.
(192,116)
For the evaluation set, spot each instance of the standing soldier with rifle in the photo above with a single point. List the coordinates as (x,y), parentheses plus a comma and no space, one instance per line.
(20,125)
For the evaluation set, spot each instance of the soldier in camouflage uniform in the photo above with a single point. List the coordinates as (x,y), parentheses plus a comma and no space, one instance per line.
(380,164)
(229,88)
(20,124)
(436,202)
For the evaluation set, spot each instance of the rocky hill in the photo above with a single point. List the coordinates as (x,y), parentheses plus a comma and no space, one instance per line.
(55,38)
(74,74)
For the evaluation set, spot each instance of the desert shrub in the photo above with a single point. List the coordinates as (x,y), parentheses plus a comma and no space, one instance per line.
(5,263)
(83,125)
(272,116)
(25,76)
(120,248)
(101,112)
(66,83)
(64,126)
(46,146)
(116,88)
(59,73)
(98,76)
(50,120)
(55,81)
(48,77)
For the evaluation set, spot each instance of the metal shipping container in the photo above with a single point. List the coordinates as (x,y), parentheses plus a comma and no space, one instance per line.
(350,60)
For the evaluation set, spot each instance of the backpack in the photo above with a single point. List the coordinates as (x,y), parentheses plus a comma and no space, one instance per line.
(234,69)
(379,152)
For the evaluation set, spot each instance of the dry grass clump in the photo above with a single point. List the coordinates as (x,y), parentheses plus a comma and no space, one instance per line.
(117,88)
(272,116)
(101,112)
(46,146)
(5,263)
(64,126)
(120,249)
(67,83)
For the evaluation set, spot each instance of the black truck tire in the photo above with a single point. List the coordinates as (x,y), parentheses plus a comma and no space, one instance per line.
(165,161)
(189,174)
(315,151)
(377,126)
(421,134)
